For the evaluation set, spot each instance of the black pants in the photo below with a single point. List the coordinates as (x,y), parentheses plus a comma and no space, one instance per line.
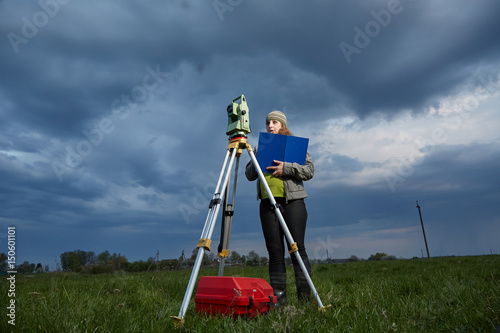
(295,215)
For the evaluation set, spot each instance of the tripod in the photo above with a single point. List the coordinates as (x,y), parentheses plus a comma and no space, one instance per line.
(234,150)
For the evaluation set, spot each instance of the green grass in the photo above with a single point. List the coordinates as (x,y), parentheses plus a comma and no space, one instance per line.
(459,294)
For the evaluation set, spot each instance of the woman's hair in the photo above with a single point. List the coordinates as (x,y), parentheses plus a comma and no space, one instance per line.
(284,130)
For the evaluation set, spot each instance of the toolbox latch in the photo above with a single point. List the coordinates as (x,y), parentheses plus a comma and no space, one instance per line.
(250,303)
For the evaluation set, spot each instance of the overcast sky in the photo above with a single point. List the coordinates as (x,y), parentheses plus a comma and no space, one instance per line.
(113,120)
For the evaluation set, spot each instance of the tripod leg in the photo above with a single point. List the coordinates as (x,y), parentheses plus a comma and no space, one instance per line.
(204,242)
(288,235)
(223,249)
(227,218)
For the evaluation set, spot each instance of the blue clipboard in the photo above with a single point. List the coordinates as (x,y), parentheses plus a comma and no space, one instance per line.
(286,148)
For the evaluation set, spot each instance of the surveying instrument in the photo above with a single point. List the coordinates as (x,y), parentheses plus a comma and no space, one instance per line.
(237,130)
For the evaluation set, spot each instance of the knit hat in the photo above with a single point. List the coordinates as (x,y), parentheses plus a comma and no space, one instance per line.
(276,115)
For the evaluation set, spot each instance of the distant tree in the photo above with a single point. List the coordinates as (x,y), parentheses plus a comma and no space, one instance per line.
(113,257)
(192,259)
(138,266)
(207,259)
(234,257)
(82,256)
(100,268)
(104,257)
(210,258)
(169,264)
(64,260)
(194,254)
(119,261)
(73,261)
(91,258)
(253,259)
(26,268)
(353,258)
(378,256)
(39,268)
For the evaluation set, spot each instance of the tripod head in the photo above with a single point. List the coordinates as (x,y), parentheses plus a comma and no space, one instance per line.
(238,122)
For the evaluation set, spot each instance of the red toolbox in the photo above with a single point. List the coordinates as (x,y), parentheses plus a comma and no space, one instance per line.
(233,296)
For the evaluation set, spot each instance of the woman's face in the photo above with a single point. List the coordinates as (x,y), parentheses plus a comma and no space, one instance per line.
(273,126)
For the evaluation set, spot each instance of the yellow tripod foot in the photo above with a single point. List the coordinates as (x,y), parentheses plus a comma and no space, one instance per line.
(323,309)
(178,322)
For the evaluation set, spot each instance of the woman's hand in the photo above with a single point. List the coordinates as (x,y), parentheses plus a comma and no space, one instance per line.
(278,169)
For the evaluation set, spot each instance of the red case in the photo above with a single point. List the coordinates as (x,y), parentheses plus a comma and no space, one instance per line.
(233,296)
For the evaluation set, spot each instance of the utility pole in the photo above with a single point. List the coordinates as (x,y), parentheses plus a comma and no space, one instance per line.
(423,230)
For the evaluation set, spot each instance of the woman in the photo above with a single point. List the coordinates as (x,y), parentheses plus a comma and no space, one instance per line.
(286,183)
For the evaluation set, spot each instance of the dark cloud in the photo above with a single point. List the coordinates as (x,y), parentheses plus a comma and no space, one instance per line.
(112,116)
(469,168)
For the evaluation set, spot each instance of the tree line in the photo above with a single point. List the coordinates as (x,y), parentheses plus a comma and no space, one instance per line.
(25,267)
(80,261)
(89,262)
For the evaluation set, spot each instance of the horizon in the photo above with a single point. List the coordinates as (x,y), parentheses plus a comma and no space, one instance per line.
(113,122)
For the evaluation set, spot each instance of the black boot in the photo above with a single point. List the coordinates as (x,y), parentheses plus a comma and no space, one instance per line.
(278,282)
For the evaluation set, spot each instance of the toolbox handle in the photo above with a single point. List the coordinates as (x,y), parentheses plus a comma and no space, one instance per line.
(250,303)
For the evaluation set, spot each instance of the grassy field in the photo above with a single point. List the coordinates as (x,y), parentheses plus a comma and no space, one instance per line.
(458,294)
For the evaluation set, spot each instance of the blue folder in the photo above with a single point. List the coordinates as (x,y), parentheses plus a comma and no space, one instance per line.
(280,147)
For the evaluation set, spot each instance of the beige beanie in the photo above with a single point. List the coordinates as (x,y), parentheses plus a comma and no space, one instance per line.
(276,115)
